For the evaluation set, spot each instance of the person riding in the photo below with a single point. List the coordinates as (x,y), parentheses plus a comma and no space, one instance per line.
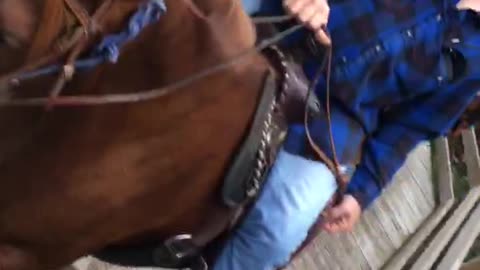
(403,72)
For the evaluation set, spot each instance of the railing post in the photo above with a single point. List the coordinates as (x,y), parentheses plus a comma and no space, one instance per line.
(472,157)
(443,169)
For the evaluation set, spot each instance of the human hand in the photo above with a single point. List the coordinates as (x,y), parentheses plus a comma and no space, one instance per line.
(469,4)
(313,13)
(342,217)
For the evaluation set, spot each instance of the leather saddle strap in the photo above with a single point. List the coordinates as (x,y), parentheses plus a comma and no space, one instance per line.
(224,221)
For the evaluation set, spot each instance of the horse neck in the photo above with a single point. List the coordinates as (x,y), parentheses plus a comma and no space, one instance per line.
(210,24)
(184,42)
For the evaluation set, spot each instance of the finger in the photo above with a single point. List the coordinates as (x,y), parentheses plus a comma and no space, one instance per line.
(347,225)
(322,12)
(343,225)
(318,21)
(334,228)
(336,225)
(327,226)
(295,6)
(322,37)
(469,4)
(337,212)
(307,13)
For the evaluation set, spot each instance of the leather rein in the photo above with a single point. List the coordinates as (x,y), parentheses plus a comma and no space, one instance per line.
(90,26)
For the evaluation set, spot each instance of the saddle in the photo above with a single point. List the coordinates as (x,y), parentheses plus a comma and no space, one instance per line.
(283,102)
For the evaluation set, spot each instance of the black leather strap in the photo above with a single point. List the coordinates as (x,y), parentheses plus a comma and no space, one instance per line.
(241,168)
(177,252)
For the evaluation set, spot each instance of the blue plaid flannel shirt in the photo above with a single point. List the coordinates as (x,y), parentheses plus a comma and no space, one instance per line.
(403,72)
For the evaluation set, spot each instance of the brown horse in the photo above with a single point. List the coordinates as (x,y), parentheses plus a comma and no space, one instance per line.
(76,179)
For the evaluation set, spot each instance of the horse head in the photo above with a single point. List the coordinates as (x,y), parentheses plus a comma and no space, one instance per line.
(74,177)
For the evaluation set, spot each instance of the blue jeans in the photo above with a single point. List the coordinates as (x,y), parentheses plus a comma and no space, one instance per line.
(296,192)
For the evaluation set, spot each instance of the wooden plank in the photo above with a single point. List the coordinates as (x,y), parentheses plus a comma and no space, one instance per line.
(327,255)
(419,167)
(314,256)
(397,231)
(335,246)
(463,242)
(472,157)
(424,184)
(372,241)
(416,206)
(320,262)
(324,253)
(398,261)
(306,263)
(388,224)
(443,169)
(435,247)
(354,252)
(400,213)
(417,200)
(91,263)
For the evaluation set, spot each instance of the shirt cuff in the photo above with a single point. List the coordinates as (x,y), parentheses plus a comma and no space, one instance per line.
(363,187)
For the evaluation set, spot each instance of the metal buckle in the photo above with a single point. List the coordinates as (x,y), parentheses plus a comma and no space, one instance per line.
(199,264)
(183,251)
(174,245)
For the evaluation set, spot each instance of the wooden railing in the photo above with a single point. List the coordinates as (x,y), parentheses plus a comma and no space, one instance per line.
(444,240)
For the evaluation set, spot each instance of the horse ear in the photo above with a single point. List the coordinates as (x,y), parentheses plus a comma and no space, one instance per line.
(12,258)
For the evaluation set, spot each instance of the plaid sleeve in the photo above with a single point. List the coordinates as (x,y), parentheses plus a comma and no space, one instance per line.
(382,156)
(400,131)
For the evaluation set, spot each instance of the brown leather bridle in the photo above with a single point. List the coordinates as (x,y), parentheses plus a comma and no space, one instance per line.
(69,46)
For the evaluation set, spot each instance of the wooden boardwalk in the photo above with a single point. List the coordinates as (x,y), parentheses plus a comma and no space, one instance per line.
(383,229)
